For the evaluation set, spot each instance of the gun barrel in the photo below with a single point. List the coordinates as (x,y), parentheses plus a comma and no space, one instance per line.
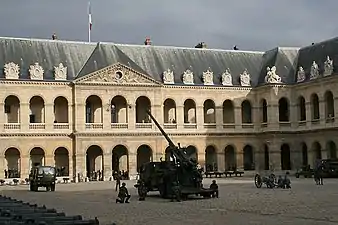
(171,143)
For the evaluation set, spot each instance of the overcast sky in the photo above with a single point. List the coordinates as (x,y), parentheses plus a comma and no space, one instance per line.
(250,24)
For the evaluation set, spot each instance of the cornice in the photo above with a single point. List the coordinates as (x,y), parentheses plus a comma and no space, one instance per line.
(34,135)
(210,87)
(31,82)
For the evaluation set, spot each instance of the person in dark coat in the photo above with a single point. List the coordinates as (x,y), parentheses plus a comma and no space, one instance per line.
(123,196)
(214,187)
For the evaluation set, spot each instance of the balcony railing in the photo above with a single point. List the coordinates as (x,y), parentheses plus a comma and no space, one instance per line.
(143,125)
(264,125)
(37,126)
(61,126)
(94,126)
(247,125)
(315,121)
(209,126)
(284,124)
(302,123)
(229,125)
(12,126)
(190,126)
(170,126)
(119,126)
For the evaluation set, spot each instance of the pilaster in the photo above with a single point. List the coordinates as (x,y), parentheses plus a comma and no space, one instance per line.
(79,117)
(221,161)
(180,117)
(25,166)
(219,117)
(24,116)
(70,116)
(308,114)
(273,116)
(238,117)
(49,160)
(107,166)
(80,168)
(322,112)
(239,160)
(49,116)
(133,166)
(199,117)
(132,117)
(106,116)
(158,114)
(2,117)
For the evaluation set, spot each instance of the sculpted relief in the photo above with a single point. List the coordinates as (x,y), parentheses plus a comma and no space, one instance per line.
(314,72)
(60,72)
(117,75)
(227,78)
(36,72)
(272,77)
(168,77)
(328,67)
(12,71)
(245,79)
(188,77)
(208,77)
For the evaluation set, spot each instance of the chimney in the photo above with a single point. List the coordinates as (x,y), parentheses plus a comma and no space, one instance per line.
(201,45)
(147,41)
(54,37)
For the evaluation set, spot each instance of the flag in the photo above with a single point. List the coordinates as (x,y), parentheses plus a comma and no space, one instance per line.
(90,17)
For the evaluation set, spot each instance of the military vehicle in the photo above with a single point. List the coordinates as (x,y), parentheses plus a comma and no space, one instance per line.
(42,176)
(179,170)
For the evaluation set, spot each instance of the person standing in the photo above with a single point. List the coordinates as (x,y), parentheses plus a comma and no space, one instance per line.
(118,181)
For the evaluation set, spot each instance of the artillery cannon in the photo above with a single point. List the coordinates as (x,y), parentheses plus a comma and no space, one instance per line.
(177,169)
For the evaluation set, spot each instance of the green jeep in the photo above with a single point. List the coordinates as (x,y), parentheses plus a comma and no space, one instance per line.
(42,176)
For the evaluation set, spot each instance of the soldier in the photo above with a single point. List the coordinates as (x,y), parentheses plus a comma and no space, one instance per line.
(176,192)
(142,191)
(287,182)
(123,195)
(118,180)
(280,182)
(214,187)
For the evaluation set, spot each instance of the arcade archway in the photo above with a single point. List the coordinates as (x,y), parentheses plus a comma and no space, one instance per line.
(120,159)
(144,155)
(94,162)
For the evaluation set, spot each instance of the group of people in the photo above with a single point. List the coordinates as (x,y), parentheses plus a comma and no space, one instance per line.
(12,173)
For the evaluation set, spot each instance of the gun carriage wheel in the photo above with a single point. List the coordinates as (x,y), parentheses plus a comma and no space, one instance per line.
(258,181)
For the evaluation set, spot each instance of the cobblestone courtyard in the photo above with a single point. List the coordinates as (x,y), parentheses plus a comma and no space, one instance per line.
(240,203)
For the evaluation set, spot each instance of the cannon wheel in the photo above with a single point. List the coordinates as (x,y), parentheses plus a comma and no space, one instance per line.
(258,181)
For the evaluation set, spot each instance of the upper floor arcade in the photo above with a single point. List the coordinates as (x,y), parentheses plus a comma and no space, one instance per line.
(205,109)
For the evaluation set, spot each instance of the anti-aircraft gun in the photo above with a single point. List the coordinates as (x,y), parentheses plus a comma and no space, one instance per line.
(178,168)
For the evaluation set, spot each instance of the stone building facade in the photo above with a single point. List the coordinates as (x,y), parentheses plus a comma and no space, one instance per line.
(82,106)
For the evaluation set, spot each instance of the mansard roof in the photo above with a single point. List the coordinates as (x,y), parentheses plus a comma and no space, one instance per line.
(48,53)
(82,58)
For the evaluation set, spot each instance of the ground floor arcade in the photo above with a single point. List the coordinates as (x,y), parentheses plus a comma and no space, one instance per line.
(86,157)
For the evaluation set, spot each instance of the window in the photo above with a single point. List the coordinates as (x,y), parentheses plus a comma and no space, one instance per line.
(7,109)
(32,118)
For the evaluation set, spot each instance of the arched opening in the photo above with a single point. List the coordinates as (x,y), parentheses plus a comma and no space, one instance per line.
(37,157)
(331,149)
(283,108)
(317,150)
(210,159)
(142,105)
(264,111)
(120,159)
(169,111)
(37,110)
(191,152)
(12,109)
(285,157)
(329,106)
(314,107)
(266,158)
(209,111)
(248,155)
(94,162)
(119,110)
(230,158)
(246,112)
(94,109)
(228,112)
(189,111)
(301,109)
(13,163)
(144,155)
(305,158)
(60,110)
(61,159)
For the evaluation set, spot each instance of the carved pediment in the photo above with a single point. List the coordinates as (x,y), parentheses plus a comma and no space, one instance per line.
(117,74)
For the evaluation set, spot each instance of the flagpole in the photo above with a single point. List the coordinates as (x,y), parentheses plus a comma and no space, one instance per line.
(89,22)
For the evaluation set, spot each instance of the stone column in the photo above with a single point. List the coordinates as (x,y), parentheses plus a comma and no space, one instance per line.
(275,156)
(180,116)
(106,116)
(308,113)
(273,116)
(49,116)
(322,111)
(133,166)
(25,169)
(2,167)
(132,117)
(239,159)
(49,160)
(2,117)
(24,116)
(80,117)
(219,117)
(107,166)
(201,158)
(238,117)
(80,165)
(221,161)
(199,117)
(157,112)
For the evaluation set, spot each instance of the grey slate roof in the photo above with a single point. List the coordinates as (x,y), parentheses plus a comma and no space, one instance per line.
(84,58)
(47,53)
